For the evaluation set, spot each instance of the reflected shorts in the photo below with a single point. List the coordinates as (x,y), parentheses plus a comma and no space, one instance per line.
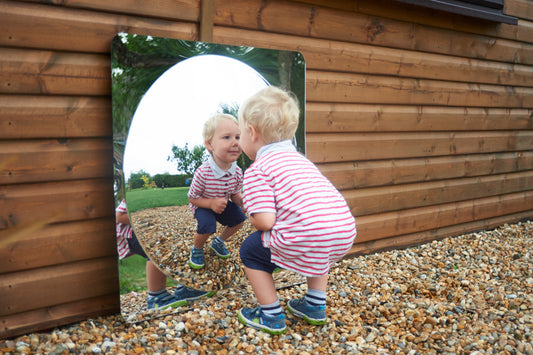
(135,246)
(207,219)
(254,255)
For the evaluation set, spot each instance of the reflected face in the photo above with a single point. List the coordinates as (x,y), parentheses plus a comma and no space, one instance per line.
(224,146)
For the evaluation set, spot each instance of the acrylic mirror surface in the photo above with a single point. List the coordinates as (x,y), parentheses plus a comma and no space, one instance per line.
(163,91)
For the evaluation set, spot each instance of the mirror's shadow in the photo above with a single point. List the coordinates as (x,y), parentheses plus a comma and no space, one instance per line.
(148,123)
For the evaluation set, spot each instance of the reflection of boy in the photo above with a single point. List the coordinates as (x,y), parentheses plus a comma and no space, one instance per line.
(215,192)
(304,224)
(158,296)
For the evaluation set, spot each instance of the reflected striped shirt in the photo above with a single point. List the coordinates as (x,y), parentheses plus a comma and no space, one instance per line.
(209,181)
(124,232)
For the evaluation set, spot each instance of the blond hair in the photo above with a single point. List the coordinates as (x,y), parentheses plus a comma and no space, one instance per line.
(211,124)
(273,112)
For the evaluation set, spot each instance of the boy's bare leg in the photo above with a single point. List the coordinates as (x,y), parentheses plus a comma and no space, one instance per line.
(229,231)
(200,239)
(155,279)
(319,283)
(263,285)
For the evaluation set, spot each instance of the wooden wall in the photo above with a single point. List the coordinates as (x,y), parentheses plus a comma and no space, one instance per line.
(422,119)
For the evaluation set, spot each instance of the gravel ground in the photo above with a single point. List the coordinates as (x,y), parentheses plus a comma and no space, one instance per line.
(471,294)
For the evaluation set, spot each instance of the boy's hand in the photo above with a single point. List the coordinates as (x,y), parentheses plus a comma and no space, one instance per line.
(218,205)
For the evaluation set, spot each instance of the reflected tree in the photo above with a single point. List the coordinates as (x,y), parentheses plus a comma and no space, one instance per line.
(187,160)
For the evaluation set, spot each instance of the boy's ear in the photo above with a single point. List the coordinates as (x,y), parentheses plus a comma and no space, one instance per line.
(254,135)
(208,145)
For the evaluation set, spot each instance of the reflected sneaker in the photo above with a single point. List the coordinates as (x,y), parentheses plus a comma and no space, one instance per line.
(190,294)
(196,260)
(220,249)
(311,314)
(255,318)
(163,301)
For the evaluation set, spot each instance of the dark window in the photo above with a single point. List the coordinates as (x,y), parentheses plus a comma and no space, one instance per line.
(490,10)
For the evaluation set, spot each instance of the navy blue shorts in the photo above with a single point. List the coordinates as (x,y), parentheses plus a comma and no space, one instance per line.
(207,219)
(135,246)
(254,255)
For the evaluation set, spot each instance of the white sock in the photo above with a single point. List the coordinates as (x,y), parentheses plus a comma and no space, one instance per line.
(315,297)
(273,309)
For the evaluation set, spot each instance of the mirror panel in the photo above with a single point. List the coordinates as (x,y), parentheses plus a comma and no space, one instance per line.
(163,91)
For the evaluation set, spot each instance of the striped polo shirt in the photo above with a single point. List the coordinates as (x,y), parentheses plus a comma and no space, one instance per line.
(210,181)
(314,226)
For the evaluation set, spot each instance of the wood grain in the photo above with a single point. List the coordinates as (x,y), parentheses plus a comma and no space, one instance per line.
(340,117)
(76,30)
(321,22)
(360,88)
(60,243)
(338,147)
(424,194)
(415,220)
(407,240)
(34,116)
(364,174)
(61,283)
(54,160)
(338,56)
(62,201)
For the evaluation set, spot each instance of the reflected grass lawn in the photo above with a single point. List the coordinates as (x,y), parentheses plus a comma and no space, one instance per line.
(141,199)
(132,275)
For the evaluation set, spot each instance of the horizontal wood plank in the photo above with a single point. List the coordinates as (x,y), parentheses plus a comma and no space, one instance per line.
(423,16)
(326,148)
(364,174)
(57,284)
(404,241)
(408,221)
(60,28)
(318,22)
(27,116)
(519,8)
(357,88)
(188,10)
(53,316)
(328,55)
(55,202)
(58,73)
(59,244)
(324,117)
(55,160)
(374,200)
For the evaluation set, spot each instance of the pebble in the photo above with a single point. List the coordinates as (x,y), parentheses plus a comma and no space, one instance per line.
(467,294)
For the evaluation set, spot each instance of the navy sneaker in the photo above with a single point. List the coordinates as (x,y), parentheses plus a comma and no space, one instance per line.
(312,315)
(220,249)
(255,318)
(190,294)
(196,260)
(163,301)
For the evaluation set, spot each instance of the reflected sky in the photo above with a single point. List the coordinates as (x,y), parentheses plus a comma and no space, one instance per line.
(177,104)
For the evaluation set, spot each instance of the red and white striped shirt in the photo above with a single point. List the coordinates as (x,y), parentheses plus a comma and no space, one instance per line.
(209,181)
(314,226)
(124,232)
